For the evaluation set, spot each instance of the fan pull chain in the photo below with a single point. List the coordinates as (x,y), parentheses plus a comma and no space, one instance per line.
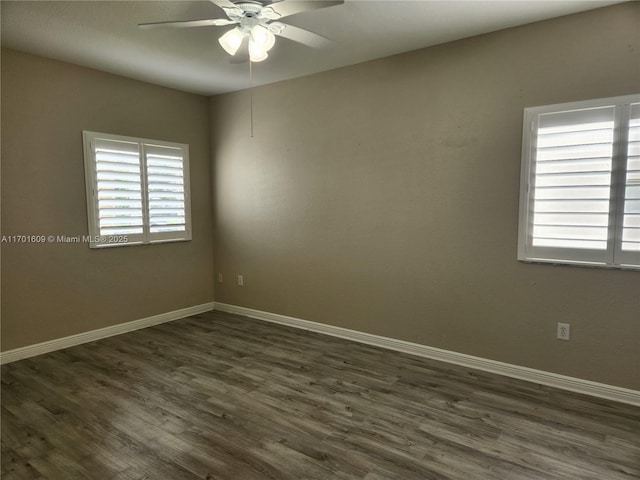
(251,93)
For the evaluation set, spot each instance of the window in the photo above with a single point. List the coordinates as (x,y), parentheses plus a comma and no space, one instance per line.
(580,185)
(137,190)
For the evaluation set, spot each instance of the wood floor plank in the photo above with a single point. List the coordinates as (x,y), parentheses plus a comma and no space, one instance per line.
(223,397)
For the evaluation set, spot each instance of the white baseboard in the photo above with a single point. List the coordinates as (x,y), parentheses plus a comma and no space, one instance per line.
(564,382)
(65,342)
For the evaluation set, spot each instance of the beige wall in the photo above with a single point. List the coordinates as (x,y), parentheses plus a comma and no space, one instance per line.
(54,290)
(383,198)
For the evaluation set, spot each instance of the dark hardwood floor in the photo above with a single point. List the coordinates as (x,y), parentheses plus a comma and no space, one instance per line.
(220,396)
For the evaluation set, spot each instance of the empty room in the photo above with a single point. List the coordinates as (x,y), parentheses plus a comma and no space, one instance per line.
(309,240)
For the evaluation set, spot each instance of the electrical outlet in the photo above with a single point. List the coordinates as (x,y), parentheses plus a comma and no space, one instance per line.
(563,331)
(219,278)
(240,280)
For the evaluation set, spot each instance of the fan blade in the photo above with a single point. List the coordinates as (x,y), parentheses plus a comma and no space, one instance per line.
(221,22)
(213,22)
(304,36)
(224,3)
(291,7)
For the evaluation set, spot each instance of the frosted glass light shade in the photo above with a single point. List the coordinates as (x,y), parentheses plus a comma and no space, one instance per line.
(256,52)
(263,38)
(231,40)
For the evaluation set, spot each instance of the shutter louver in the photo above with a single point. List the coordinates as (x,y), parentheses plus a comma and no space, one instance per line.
(166,189)
(572,178)
(631,217)
(119,187)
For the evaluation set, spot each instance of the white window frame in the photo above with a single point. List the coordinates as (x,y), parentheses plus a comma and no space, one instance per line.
(91,181)
(614,256)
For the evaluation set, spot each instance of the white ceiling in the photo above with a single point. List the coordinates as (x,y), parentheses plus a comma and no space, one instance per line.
(104,35)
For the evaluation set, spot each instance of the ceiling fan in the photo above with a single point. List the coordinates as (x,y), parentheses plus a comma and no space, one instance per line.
(257,25)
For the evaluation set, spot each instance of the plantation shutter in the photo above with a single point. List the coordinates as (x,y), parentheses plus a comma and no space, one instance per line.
(572,171)
(166,191)
(118,188)
(580,183)
(630,244)
(137,190)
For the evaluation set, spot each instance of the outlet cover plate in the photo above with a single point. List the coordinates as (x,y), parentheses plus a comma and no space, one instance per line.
(564,330)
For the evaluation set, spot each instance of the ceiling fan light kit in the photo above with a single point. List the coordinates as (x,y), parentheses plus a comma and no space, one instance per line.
(254,26)
(256,29)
